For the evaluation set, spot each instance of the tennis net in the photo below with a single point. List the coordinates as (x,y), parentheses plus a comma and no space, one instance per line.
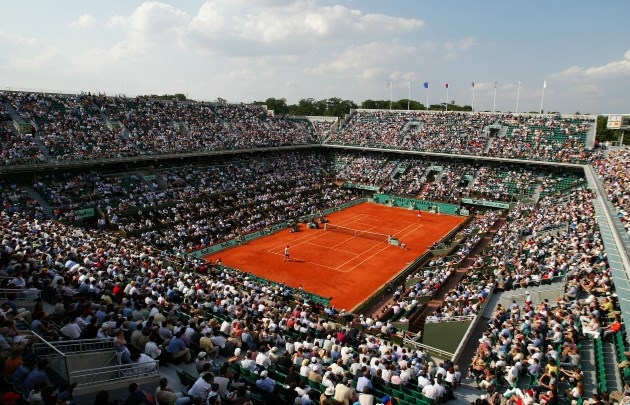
(381,237)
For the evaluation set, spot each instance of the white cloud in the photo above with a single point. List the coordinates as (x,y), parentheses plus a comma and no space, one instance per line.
(154,20)
(116,22)
(19,40)
(611,69)
(452,48)
(151,24)
(366,60)
(233,26)
(39,60)
(83,22)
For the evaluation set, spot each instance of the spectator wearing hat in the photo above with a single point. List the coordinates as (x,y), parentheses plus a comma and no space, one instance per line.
(201,360)
(265,383)
(315,373)
(328,394)
(273,355)
(305,368)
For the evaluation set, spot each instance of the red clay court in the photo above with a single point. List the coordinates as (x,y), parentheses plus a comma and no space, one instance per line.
(345,267)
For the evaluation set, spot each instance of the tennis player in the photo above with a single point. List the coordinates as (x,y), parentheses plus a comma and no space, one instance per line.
(419,216)
(286,254)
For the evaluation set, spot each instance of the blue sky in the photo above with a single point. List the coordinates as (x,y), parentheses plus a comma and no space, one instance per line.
(247,50)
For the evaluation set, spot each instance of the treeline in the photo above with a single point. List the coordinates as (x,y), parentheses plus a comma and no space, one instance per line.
(336,107)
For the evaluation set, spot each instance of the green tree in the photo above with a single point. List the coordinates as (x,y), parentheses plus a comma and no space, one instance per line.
(604,134)
(278,105)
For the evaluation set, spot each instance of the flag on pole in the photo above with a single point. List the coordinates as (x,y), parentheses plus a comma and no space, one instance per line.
(426,85)
(545,84)
(473,85)
(495,84)
(446,85)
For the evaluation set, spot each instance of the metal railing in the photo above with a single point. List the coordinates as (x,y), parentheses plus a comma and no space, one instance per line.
(66,347)
(409,341)
(462,318)
(19,294)
(114,373)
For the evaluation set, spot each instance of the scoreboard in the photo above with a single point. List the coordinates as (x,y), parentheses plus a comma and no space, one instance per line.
(618,121)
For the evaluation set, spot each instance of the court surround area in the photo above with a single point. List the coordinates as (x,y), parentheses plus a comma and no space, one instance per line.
(342,265)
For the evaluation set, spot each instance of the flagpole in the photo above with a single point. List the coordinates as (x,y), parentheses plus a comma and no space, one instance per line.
(390,95)
(542,96)
(426,86)
(446,104)
(408,94)
(494,103)
(473,98)
(518,95)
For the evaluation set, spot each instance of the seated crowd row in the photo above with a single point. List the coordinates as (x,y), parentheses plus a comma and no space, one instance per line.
(54,127)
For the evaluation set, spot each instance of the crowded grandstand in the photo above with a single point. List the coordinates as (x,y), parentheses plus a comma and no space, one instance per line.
(108,200)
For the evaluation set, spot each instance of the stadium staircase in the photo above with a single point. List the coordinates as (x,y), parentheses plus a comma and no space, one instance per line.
(331,133)
(13,113)
(536,192)
(417,323)
(43,149)
(488,144)
(597,360)
(46,208)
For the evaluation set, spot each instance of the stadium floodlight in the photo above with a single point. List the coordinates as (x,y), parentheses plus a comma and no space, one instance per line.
(542,96)
(518,95)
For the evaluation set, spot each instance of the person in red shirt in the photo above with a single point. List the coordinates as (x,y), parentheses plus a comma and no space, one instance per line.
(612,328)
(118,290)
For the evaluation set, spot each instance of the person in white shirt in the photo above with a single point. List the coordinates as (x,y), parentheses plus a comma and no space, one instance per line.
(152,349)
(430,391)
(201,387)
(71,330)
(423,381)
(142,364)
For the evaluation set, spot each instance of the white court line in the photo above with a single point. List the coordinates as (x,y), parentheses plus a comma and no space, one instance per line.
(336,250)
(304,239)
(355,220)
(366,259)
